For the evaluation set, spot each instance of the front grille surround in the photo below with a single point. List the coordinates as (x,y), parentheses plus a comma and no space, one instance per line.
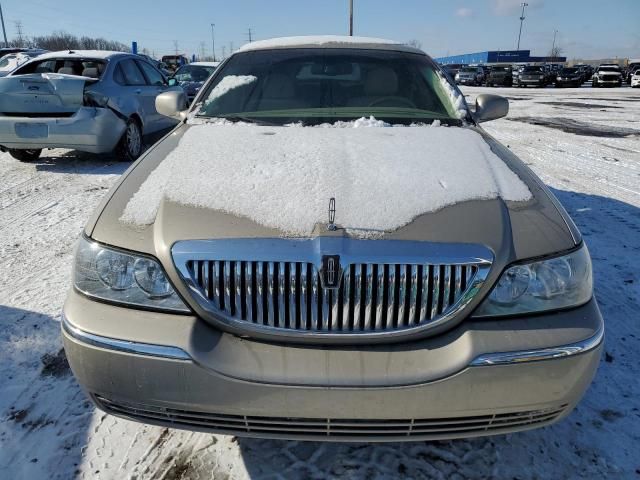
(274,287)
(356,429)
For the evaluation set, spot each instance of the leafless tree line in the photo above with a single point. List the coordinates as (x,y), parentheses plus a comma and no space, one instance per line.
(61,40)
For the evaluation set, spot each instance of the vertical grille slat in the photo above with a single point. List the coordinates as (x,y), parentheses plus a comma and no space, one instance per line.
(371,297)
(248,279)
(281,320)
(435,291)
(346,299)
(271,289)
(293,295)
(379,296)
(227,287)
(304,292)
(357,296)
(238,290)
(368,281)
(391,291)
(314,298)
(413,294)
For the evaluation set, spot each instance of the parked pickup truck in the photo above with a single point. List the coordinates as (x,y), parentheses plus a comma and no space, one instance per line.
(92,101)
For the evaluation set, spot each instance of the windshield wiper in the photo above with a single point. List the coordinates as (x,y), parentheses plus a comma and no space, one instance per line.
(240,118)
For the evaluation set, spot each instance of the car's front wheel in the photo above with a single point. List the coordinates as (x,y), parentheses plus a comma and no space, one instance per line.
(26,155)
(130,146)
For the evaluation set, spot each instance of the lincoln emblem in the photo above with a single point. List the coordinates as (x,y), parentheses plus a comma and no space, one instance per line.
(331,271)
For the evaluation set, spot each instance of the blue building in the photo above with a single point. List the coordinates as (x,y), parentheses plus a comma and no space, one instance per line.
(500,56)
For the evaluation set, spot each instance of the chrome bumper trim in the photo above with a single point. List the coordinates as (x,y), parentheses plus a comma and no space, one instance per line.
(522,356)
(125,346)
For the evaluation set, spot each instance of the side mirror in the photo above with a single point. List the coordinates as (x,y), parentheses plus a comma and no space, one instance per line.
(172,104)
(490,107)
(172,82)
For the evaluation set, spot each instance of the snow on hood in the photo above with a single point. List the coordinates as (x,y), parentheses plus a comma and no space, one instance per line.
(283,177)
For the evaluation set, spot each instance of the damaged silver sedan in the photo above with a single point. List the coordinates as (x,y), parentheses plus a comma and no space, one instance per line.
(91,101)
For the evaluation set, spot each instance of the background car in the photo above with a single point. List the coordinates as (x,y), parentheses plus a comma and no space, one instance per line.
(173,62)
(635,78)
(607,75)
(191,77)
(470,76)
(534,75)
(631,68)
(93,101)
(501,75)
(11,61)
(569,77)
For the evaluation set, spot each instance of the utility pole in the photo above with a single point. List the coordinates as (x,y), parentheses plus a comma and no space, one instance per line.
(230,48)
(4,32)
(250,37)
(213,41)
(351,18)
(18,24)
(553,46)
(175,46)
(224,52)
(524,5)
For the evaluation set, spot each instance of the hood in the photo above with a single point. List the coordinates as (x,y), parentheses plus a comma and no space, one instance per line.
(42,93)
(518,218)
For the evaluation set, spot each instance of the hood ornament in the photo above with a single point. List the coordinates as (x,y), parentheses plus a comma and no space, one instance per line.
(331,226)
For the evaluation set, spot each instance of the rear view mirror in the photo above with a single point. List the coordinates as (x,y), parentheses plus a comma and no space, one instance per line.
(172,104)
(490,107)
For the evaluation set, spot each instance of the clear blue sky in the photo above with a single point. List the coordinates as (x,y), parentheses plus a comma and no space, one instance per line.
(586,28)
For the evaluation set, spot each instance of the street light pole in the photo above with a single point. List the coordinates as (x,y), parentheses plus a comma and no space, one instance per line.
(351,18)
(213,42)
(524,5)
(4,32)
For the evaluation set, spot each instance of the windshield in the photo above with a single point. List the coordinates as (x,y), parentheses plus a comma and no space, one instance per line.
(193,73)
(569,71)
(609,69)
(8,61)
(500,69)
(319,86)
(533,69)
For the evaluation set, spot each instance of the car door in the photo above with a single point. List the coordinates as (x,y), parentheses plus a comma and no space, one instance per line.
(156,84)
(133,83)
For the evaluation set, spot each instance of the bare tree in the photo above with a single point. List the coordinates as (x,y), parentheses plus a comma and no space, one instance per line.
(65,41)
(556,51)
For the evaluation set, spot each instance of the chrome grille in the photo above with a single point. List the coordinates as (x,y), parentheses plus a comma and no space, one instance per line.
(371,297)
(256,285)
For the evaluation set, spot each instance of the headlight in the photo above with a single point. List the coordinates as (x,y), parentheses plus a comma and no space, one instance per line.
(122,277)
(548,284)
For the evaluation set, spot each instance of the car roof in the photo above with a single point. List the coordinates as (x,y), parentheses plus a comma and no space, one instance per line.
(97,54)
(329,41)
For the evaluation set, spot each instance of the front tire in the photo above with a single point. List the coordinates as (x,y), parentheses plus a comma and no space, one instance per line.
(130,146)
(26,155)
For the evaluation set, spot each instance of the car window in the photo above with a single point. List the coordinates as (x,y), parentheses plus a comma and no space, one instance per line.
(319,86)
(193,73)
(68,66)
(131,72)
(153,76)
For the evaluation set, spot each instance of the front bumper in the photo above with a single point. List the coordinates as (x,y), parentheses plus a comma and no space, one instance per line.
(90,129)
(178,371)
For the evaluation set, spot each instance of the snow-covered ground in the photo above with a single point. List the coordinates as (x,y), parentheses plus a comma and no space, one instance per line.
(584,143)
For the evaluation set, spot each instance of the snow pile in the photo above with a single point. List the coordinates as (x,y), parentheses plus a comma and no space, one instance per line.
(227,84)
(283,177)
(457,99)
(326,41)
